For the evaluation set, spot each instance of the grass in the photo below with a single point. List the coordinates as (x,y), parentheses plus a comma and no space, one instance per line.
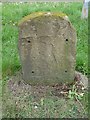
(12,13)
(39,103)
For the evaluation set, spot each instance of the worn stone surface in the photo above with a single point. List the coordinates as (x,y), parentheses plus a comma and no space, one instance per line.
(82,79)
(47,48)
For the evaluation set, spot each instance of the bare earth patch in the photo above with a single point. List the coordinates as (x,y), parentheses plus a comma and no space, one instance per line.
(27,101)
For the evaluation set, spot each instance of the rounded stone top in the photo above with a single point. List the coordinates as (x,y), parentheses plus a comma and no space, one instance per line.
(39,14)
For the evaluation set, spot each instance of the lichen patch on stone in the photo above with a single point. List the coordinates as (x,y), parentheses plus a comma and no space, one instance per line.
(38,14)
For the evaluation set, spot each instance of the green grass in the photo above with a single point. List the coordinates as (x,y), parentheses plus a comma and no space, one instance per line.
(11,15)
(46,105)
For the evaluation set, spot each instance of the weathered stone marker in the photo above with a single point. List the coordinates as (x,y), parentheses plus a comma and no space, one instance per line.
(47,48)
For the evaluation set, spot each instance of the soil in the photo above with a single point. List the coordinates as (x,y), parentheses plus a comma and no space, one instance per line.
(18,89)
(18,86)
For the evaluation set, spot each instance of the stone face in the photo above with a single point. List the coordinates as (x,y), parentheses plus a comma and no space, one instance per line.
(47,48)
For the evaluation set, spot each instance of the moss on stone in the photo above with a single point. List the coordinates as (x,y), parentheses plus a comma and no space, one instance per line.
(39,14)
